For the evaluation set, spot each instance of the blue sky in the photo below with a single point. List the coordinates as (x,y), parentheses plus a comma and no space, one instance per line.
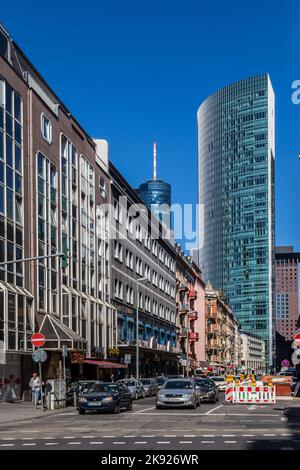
(136,71)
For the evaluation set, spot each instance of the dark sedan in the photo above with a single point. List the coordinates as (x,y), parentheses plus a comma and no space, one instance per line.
(102,396)
(208,389)
(150,387)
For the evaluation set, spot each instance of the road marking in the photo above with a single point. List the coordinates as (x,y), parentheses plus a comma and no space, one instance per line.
(214,409)
(8,438)
(47,438)
(209,435)
(149,436)
(207,442)
(189,435)
(163,442)
(141,442)
(87,437)
(228,435)
(69,437)
(269,435)
(118,443)
(51,443)
(230,442)
(74,443)
(7,445)
(170,435)
(248,435)
(146,409)
(185,442)
(31,444)
(129,437)
(27,438)
(288,435)
(250,442)
(95,442)
(108,437)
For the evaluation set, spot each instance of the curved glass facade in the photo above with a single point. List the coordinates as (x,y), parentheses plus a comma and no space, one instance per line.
(156,195)
(236,186)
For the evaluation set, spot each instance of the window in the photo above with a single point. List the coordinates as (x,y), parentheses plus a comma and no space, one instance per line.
(46,128)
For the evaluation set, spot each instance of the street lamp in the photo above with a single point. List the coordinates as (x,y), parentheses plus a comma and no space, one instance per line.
(137,367)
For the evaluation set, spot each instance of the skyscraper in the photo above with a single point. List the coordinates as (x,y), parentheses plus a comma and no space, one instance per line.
(236,144)
(287,291)
(156,195)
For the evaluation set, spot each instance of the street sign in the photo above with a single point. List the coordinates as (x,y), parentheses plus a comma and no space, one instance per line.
(285,363)
(39,355)
(296,357)
(297,340)
(38,340)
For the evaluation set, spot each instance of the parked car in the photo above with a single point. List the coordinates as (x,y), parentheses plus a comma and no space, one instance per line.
(160,382)
(178,392)
(208,389)
(136,388)
(169,377)
(150,387)
(105,396)
(220,382)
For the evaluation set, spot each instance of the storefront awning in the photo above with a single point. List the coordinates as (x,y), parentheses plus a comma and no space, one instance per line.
(58,334)
(105,364)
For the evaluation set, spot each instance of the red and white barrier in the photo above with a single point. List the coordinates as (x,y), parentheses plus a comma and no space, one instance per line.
(245,394)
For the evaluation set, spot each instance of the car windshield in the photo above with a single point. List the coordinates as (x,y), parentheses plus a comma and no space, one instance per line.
(204,383)
(100,388)
(182,384)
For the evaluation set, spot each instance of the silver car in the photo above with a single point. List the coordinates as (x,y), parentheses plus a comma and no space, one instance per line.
(136,388)
(178,393)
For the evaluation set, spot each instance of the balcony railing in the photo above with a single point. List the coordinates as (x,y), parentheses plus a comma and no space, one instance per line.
(193,316)
(183,307)
(193,336)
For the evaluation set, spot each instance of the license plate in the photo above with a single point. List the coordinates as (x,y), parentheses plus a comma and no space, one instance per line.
(174,400)
(95,403)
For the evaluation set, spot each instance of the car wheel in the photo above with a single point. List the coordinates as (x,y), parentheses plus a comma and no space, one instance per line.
(129,407)
(117,409)
(81,412)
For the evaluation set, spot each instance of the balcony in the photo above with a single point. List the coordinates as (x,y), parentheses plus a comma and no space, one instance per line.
(193,316)
(183,333)
(192,295)
(193,337)
(182,288)
(183,308)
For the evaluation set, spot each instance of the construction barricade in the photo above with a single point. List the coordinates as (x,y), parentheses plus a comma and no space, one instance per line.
(248,394)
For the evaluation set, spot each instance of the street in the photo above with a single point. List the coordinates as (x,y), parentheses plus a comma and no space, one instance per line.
(212,426)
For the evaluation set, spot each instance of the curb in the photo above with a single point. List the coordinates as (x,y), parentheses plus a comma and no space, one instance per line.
(41,415)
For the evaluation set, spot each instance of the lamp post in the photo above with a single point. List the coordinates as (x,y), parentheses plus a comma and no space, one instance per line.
(137,367)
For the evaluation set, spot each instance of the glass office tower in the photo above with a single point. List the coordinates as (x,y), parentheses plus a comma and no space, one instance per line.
(156,195)
(236,145)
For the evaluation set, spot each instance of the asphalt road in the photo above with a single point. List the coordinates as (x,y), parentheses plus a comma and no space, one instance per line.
(211,426)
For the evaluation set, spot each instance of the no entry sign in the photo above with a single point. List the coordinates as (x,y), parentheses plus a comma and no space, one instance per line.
(38,340)
(297,340)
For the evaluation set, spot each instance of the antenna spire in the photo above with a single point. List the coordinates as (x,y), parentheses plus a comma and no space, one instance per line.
(154,161)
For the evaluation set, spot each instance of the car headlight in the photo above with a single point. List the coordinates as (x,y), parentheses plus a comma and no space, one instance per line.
(107,399)
(82,400)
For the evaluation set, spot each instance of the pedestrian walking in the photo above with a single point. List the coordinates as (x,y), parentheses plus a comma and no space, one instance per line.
(35,385)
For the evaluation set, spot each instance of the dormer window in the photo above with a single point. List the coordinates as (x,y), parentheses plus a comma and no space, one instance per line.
(46,128)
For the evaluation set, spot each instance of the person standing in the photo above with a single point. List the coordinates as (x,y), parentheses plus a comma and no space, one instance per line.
(36,388)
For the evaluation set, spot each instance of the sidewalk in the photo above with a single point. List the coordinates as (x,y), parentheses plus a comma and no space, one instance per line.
(21,411)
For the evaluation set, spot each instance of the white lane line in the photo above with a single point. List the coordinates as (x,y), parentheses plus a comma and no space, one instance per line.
(141,442)
(207,442)
(31,444)
(163,442)
(248,435)
(7,445)
(142,411)
(269,435)
(230,442)
(69,437)
(250,442)
(209,435)
(129,437)
(29,431)
(288,435)
(51,443)
(8,439)
(228,435)
(95,442)
(185,442)
(214,409)
(27,438)
(119,442)
(87,437)
(74,443)
(189,435)
(47,438)
(108,437)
